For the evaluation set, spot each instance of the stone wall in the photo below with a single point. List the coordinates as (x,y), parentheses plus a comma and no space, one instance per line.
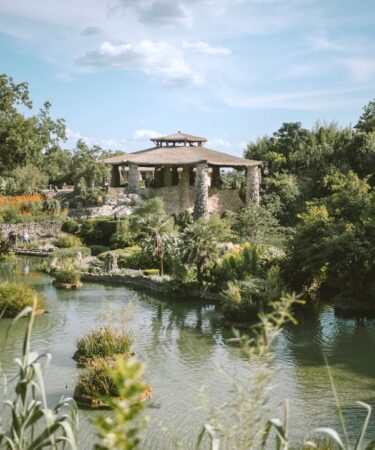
(41,229)
(177,201)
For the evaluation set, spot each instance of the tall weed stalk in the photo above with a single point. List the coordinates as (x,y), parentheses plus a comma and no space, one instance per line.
(26,421)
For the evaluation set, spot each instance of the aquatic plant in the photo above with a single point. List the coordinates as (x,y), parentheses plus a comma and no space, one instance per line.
(67,276)
(95,380)
(14,297)
(103,342)
(30,424)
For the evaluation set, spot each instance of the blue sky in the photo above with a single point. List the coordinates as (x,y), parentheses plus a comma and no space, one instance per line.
(122,71)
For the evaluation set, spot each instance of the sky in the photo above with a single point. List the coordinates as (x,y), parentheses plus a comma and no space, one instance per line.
(122,71)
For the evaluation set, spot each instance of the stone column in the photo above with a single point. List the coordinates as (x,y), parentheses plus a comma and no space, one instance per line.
(201,191)
(252,184)
(215,177)
(184,187)
(167,180)
(115,176)
(133,179)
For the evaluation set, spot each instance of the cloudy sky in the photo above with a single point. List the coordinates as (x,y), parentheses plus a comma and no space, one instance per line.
(121,71)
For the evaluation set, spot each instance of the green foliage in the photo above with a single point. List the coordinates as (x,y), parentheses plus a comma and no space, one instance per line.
(123,235)
(24,138)
(255,224)
(95,380)
(14,297)
(67,275)
(86,170)
(28,179)
(98,249)
(200,246)
(52,205)
(31,424)
(88,196)
(153,226)
(333,248)
(72,252)
(70,226)
(68,241)
(103,342)
(150,272)
(121,430)
(98,231)
(239,263)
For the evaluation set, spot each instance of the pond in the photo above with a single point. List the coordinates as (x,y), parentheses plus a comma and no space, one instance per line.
(185,347)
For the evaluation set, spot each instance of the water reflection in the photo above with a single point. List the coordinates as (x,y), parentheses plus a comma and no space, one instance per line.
(182,343)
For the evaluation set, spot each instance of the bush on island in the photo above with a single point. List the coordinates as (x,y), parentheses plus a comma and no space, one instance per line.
(103,342)
(14,297)
(94,381)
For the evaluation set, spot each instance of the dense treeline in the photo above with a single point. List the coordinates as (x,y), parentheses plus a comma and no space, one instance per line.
(322,181)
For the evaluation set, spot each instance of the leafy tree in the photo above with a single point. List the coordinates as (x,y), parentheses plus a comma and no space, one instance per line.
(366,122)
(334,247)
(57,165)
(24,139)
(85,167)
(255,223)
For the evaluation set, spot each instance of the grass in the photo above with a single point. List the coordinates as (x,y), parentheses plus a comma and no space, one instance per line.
(71,252)
(15,297)
(104,342)
(95,380)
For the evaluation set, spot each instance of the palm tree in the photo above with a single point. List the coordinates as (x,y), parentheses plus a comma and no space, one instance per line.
(200,246)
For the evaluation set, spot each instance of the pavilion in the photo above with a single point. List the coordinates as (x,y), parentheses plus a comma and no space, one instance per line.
(186,174)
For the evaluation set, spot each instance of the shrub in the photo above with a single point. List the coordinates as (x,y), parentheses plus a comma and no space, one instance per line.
(15,297)
(131,257)
(69,276)
(123,236)
(68,241)
(98,249)
(98,231)
(70,226)
(241,301)
(52,205)
(73,252)
(104,342)
(150,272)
(95,379)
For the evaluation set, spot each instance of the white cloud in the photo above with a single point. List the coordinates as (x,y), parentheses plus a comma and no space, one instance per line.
(205,48)
(361,69)
(218,142)
(158,59)
(145,134)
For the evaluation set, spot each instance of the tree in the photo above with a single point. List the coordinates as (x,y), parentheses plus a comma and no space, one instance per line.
(200,246)
(366,122)
(85,165)
(255,223)
(334,247)
(24,139)
(152,222)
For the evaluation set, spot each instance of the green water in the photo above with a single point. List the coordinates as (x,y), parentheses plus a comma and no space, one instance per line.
(182,342)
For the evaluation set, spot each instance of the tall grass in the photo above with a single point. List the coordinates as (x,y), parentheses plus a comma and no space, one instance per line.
(105,341)
(26,421)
